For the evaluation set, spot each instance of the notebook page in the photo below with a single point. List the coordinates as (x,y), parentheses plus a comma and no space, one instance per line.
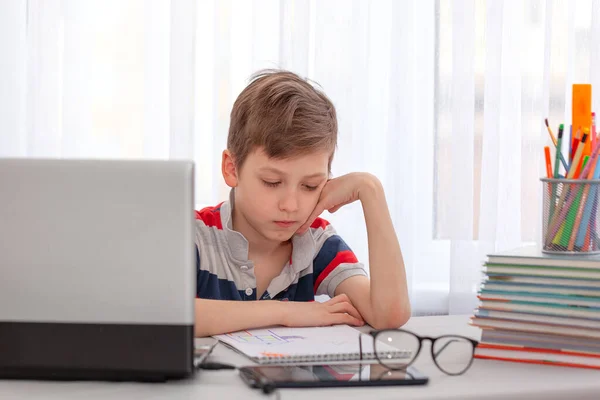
(340,342)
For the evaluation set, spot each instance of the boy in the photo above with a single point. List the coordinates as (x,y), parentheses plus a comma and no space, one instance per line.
(267,241)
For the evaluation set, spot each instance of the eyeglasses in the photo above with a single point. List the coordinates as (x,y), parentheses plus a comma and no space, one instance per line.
(396,349)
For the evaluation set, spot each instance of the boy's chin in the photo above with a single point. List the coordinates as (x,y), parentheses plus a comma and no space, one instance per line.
(280,236)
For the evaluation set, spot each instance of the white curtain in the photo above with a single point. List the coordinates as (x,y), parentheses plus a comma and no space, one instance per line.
(443,100)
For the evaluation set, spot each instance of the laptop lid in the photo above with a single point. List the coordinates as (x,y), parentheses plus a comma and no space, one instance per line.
(97,266)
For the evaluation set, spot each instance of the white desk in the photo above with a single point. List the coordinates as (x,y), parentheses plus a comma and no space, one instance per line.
(485,380)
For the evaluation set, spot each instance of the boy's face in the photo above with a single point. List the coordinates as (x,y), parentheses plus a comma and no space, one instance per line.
(274,197)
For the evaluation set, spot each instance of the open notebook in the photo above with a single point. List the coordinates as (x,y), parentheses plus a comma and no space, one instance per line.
(306,345)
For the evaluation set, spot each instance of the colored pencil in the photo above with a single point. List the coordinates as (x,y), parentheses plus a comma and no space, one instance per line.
(561,129)
(560,212)
(581,207)
(571,218)
(555,143)
(593,131)
(548,162)
(581,231)
(576,140)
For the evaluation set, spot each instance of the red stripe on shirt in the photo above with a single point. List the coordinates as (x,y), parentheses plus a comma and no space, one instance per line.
(319,223)
(211,216)
(345,256)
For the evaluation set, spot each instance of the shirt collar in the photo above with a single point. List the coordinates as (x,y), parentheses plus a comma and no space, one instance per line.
(303,246)
(237,243)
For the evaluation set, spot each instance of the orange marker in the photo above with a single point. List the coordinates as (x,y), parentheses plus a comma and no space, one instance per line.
(581,116)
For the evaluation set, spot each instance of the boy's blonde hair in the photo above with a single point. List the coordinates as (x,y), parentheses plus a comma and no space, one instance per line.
(283,114)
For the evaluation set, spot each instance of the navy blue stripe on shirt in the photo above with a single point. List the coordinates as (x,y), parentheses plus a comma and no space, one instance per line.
(332,246)
(211,287)
(300,291)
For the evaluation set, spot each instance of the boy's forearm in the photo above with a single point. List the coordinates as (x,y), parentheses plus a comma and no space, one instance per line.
(389,293)
(214,317)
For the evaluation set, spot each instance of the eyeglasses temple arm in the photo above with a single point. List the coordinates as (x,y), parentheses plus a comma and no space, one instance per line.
(444,346)
(360,352)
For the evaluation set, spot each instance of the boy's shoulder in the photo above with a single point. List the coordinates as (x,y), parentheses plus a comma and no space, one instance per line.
(210,216)
(320,223)
(322,231)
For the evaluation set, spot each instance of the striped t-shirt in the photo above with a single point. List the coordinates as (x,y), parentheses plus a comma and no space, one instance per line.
(320,261)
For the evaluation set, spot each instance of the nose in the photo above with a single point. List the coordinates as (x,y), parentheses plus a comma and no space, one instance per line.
(289,201)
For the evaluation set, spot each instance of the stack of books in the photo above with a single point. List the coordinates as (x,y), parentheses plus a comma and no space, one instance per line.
(540,308)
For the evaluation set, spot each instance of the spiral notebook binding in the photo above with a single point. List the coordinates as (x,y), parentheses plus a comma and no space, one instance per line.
(269,359)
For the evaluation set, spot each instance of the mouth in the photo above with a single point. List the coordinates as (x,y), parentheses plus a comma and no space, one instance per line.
(285,224)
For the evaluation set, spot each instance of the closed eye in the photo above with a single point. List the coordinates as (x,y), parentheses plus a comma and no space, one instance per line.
(311,188)
(271,184)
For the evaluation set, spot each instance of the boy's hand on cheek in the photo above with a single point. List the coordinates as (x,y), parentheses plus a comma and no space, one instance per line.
(336,311)
(337,193)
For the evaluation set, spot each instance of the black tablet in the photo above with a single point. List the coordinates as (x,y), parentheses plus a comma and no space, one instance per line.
(328,375)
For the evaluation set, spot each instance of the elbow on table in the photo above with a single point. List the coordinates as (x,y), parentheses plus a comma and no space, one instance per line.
(393,318)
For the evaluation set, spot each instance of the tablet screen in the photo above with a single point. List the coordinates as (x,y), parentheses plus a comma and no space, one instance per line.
(336,375)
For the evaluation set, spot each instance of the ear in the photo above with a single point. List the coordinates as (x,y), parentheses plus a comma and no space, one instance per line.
(229,169)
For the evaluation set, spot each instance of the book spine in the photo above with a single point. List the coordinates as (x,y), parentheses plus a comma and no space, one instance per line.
(558,364)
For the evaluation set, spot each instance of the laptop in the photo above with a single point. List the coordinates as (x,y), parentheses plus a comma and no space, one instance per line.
(97,269)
